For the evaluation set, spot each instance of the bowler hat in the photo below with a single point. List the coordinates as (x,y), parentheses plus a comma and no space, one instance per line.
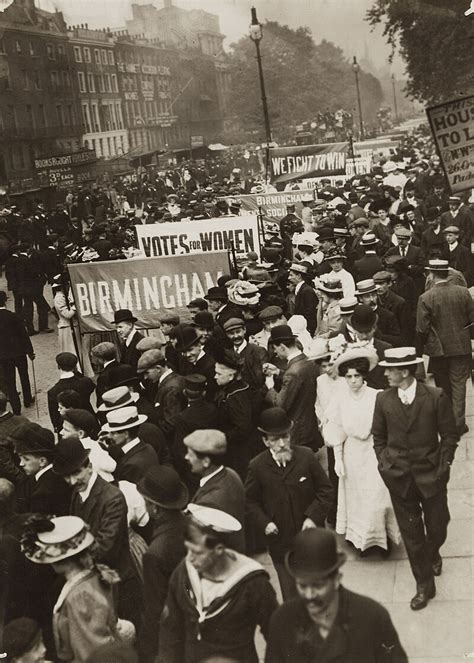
(204,319)
(186,337)
(432,213)
(82,420)
(325,233)
(218,293)
(70,456)
(364,318)
(31,438)
(281,333)
(229,358)
(124,315)
(275,421)
(314,554)
(161,486)
(66,361)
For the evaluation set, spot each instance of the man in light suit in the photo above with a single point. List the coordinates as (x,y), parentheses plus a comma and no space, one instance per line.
(415,439)
(443,317)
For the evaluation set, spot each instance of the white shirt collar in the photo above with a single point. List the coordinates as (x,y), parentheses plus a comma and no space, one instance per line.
(66,374)
(278,462)
(164,375)
(453,246)
(85,493)
(106,363)
(200,356)
(293,353)
(40,472)
(408,394)
(205,479)
(298,287)
(128,340)
(242,347)
(129,445)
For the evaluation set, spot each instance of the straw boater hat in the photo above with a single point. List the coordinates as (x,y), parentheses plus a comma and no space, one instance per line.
(329,284)
(365,287)
(356,353)
(400,357)
(47,541)
(437,265)
(123,419)
(117,398)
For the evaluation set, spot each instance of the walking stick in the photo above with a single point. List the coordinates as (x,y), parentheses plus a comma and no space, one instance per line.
(34,387)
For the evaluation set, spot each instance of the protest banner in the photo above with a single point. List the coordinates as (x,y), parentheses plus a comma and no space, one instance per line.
(157,240)
(147,287)
(273,204)
(302,161)
(452,126)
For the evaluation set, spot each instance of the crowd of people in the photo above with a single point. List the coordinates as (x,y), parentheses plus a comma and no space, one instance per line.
(292,403)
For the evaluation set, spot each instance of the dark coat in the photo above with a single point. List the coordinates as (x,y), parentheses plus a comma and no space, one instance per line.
(133,465)
(297,396)
(206,366)
(362,633)
(14,339)
(414,257)
(431,241)
(103,381)
(286,496)
(367,266)
(230,633)
(388,328)
(50,495)
(306,304)
(396,305)
(235,419)
(464,220)
(129,354)
(254,357)
(169,402)
(462,260)
(407,447)
(9,467)
(165,551)
(79,383)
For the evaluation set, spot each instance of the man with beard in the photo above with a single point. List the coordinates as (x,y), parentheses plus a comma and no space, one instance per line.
(327,621)
(286,489)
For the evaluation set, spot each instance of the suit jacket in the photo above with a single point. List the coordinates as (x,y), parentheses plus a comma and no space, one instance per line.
(130,354)
(84,387)
(414,257)
(50,495)
(431,240)
(362,632)
(286,496)
(133,465)
(164,553)
(367,266)
(105,511)
(464,220)
(9,467)
(170,401)
(306,304)
(254,357)
(14,339)
(462,260)
(443,312)
(297,397)
(103,381)
(396,305)
(407,446)
(206,366)
(235,416)
(388,327)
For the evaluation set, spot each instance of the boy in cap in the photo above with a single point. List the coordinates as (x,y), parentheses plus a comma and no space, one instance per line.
(458,255)
(230,596)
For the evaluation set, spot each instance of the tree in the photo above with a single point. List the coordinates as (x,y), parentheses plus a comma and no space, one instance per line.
(301,79)
(436,41)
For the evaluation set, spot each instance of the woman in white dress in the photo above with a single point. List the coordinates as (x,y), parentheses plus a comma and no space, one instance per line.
(365,514)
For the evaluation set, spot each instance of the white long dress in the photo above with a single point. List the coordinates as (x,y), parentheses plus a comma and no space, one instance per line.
(365,514)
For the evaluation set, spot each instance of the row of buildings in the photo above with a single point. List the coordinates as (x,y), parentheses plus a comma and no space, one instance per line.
(149,87)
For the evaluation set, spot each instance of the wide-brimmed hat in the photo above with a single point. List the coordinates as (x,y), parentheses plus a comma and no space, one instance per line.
(244,293)
(118,397)
(335,254)
(364,318)
(275,421)
(186,337)
(123,419)
(214,519)
(400,357)
(161,485)
(314,554)
(281,333)
(51,540)
(356,353)
(319,349)
(329,284)
(124,315)
(365,287)
(31,438)
(218,293)
(70,456)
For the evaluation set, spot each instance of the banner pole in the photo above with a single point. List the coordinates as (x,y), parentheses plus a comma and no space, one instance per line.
(71,324)
(261,228)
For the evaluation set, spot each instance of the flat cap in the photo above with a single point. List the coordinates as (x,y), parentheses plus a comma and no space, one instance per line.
(233,323)
(451,229)
(207,441)
(403,232)
(270,313)
(381,277)
(104,350)
(155,342)
(149,359)
(169,319)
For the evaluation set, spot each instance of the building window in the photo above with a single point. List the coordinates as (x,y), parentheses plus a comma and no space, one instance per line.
(59,114)
(55,79)
(37,79)
(30,120)
(104,57)
(32,49)
(97,55)
(68,118)
(114,83)
(111,57)
(90,78)
(77,54)
(42,116)
(61,50)
(86,118)
(18,46)
(95,118)
(81,80)
(87,54)
(101,146)
(119,116)
(2,46)
(26,81)
(107,83)
(50,51)
(12,117)
(66,79)
(100,80)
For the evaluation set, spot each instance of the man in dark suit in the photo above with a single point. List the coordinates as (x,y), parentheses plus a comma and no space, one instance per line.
(460,215)
(295,389)
(9,422)
(253,355)
(165,498)
(432,239)
(15,346)
(306,299)
(133,456)
(411,253)
(415,439)
(219,487)
(195,358)
(106,354)
(458,255)
(444,315)
(124,322)
(388,328)
(390,301)
(286,490)
(327,622)
(42,491)
(169,400)
(219,305)
(365,267)
(68,379)
(103,507)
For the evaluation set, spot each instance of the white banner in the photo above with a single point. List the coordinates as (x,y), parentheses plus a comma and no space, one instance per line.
(200,236)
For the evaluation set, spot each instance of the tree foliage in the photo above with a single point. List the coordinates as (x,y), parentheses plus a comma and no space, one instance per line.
(436,41)
(301,79)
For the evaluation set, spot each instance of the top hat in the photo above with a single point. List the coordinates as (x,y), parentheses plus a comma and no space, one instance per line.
(186,337)
(357,353)
(70,456)
(161,486)
(31,438)
(123,419)
(115,398)
(218,293)
(55,539)
(314,554)
(124,315)
(281,333)
(204,319)
(364,318)
(365,287)
(399,357)
(275,421)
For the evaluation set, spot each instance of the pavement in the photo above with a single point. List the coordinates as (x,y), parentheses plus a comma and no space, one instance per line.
(441,633)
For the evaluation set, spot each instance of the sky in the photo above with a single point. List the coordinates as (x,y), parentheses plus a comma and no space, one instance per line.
(339,21)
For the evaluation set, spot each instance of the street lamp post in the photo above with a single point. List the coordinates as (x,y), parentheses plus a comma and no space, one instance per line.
(256,34)
(394,98)
(356,69)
